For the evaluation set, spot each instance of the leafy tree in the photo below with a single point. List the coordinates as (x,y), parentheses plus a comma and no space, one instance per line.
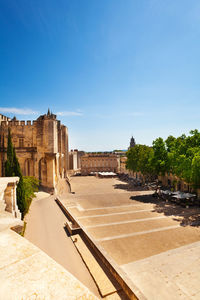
(138,159)
(195,171)
(170,143)
(133,155)
(30,187)
(144,166)
(179,156)
(159,160)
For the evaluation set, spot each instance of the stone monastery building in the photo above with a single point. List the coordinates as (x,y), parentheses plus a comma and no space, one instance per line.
(41,147)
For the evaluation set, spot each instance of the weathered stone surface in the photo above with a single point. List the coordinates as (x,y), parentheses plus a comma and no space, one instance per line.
(41,147)
(8,200)
(105,284)
(28,273)
(170,275)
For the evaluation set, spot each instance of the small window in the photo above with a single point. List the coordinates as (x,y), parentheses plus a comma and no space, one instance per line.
(21,142)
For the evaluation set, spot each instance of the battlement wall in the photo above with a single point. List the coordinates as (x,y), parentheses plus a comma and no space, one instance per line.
(18,123)
(4,118)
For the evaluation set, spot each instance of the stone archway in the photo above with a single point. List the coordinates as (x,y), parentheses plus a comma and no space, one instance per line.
(43,171)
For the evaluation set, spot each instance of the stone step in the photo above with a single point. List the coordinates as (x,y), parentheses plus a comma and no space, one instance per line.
(103,279)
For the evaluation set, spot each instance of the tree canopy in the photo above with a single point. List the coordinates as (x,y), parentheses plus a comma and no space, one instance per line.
(179,156)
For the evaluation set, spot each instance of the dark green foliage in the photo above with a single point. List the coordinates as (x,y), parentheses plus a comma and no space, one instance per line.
(31,185)
(21,200)
(16,166)
(26,188)
(138,159)
(159,160)
(9,167)
(12,167)
(178,156)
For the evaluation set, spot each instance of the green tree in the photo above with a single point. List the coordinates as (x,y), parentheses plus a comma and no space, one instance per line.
(159,160)
(144,165)
(31,185)
(170,143)
(21,200)
(133,155)
(138,159)
(179,156)
(195,171)
(16,165)
(9,164)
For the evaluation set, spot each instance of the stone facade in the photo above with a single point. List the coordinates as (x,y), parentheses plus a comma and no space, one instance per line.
(123,169)
(99,163)
(41,147)
(75,159)
(172,181)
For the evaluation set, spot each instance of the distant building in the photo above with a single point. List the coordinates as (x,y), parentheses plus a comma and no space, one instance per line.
(99,162)
(75,159)
(132,143)
(41,147)
(120,152)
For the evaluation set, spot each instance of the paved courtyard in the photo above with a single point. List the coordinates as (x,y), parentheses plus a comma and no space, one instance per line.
(151,240)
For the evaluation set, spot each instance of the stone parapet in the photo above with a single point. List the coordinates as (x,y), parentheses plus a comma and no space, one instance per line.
(32,140)
(8,199)
(11,123)
(28,273)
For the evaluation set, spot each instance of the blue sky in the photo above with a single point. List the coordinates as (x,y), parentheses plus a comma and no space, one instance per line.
(109,68)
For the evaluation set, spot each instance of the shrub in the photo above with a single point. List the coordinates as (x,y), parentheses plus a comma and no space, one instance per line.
(31,185)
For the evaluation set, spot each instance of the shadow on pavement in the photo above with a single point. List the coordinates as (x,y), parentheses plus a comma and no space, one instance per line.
(128,187)
(185,216)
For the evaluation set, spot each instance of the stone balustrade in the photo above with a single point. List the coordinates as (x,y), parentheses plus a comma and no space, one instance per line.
(8,200)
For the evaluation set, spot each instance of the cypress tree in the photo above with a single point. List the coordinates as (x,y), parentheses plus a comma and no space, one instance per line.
(9,168)
(16,165)
(21,201)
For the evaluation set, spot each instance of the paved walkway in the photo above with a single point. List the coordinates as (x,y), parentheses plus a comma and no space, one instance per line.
(151,240)
(45,229)
(175,274)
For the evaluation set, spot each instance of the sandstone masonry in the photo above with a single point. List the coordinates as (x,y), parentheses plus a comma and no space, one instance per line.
(41,147)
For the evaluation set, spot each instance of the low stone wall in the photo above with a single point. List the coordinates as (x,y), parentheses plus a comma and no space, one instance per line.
(8,199)
(26,272)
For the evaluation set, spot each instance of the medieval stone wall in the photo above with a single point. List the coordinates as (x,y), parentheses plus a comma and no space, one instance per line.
(41,147)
